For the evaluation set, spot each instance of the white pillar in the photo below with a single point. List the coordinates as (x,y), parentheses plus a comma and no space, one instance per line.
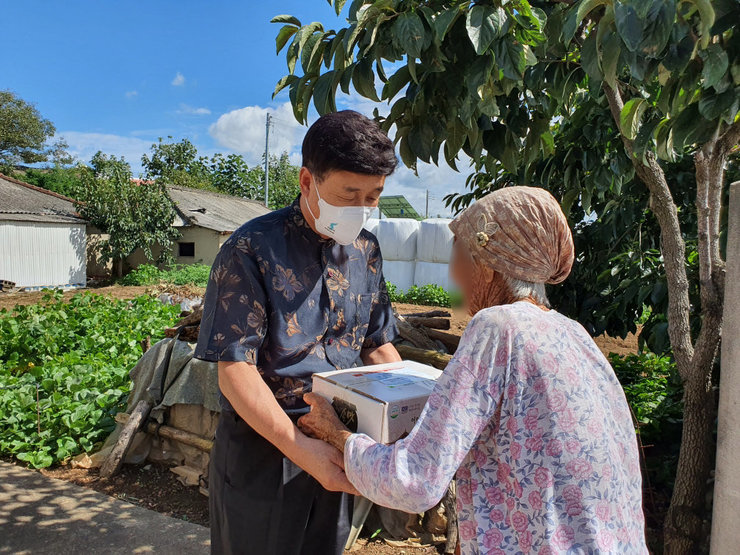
(726,512)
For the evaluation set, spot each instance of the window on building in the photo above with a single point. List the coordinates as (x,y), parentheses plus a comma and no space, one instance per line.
(186,249)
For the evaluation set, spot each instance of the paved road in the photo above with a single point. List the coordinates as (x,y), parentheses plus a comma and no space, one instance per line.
(45,515)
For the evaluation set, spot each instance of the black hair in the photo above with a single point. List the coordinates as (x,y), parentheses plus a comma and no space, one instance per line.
(347,141)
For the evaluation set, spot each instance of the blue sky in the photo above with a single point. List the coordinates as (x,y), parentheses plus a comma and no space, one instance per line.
(115,76)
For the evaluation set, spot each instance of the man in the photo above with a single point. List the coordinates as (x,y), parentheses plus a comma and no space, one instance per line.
(292,293)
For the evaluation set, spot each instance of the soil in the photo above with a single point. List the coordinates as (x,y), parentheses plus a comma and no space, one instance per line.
(9,300)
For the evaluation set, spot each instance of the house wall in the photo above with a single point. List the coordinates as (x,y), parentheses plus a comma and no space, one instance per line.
(40,254)
(207,244)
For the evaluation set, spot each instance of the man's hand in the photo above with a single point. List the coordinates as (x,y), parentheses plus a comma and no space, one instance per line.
(248,393)
(326,465)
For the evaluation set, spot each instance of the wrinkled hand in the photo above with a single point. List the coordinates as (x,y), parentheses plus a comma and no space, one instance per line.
(322,422)
(326,465)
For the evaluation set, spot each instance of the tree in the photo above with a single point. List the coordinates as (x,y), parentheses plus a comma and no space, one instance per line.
(496,80)
(231,174)
(283,186)
(135,216)
(24,134)
(177,163)
(65,181)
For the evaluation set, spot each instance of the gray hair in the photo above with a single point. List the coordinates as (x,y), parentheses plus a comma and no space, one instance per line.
(521,289)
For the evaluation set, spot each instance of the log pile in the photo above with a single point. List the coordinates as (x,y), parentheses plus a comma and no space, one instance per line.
(421,337)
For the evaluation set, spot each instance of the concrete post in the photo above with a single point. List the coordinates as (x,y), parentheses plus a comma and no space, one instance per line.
(726,512)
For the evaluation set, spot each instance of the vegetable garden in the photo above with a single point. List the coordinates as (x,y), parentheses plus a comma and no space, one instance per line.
(64,371)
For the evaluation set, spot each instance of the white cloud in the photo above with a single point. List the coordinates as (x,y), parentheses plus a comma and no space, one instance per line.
(193,111)
(243,131)
(179,80)
(84,145)
(132,94)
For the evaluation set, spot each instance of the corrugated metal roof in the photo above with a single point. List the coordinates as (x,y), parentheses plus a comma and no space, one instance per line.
(223,213)
(22,202)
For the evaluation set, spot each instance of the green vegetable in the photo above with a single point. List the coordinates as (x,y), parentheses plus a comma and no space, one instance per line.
(76,355)
(181,274)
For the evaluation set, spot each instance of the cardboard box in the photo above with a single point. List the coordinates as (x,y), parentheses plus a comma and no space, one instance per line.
(383,401)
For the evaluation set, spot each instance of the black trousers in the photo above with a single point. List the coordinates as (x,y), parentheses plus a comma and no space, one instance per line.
(261,503)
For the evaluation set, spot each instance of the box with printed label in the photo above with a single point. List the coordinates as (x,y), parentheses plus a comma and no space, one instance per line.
(383,401)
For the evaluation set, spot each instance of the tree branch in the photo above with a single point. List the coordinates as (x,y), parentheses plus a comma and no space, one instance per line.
(673,247)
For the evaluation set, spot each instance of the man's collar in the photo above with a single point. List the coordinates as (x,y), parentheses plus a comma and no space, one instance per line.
(299,221)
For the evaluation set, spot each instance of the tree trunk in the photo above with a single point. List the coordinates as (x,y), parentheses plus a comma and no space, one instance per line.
(686,527)
(685,531)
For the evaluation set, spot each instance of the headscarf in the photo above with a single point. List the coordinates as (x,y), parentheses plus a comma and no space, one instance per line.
(520,232)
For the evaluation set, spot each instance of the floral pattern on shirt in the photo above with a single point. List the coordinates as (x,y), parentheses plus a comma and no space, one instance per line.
(281,297)
(532,421)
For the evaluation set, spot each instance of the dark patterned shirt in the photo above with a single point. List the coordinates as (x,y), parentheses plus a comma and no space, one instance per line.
(282,298)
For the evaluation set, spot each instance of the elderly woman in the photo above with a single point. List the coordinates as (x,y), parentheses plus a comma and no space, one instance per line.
(528,415)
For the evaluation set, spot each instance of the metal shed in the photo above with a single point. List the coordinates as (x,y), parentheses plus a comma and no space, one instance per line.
(43,240)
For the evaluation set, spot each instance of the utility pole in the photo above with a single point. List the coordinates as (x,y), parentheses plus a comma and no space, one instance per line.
(267,157)
(427,211)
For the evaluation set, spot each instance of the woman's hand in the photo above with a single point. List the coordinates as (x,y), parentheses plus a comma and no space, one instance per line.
(322,422)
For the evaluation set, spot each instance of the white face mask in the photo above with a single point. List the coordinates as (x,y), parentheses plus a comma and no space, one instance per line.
(341,223)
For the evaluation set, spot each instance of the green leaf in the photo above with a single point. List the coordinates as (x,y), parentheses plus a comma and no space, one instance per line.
(576,15)
(443,23)
(456,135)
(338,5)
(510,58)
(590,57)
(715,65)
(283,36)
(629,24)
(410,33)
(706,16)
(291,54)
(284,82)
(484,24)
(291,20)
(363,79)
(323,93)
(610,58)
(713,106)
(657,27)
(629,118)
(407,155)
(396,82)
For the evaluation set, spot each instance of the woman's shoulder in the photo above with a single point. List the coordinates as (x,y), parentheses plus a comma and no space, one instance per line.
(510,315)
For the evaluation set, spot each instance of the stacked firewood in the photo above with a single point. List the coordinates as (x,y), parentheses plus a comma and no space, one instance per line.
(188,327)
(423,337)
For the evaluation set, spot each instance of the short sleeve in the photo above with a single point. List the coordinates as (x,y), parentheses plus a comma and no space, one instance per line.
(234,317)
(381,328)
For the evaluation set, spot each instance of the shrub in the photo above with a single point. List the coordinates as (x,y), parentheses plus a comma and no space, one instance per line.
(429,294)
(146,274)
(181,274)
(653,390)
(75,357)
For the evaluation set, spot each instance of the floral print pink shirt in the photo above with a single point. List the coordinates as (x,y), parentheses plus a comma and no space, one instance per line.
(531,420)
